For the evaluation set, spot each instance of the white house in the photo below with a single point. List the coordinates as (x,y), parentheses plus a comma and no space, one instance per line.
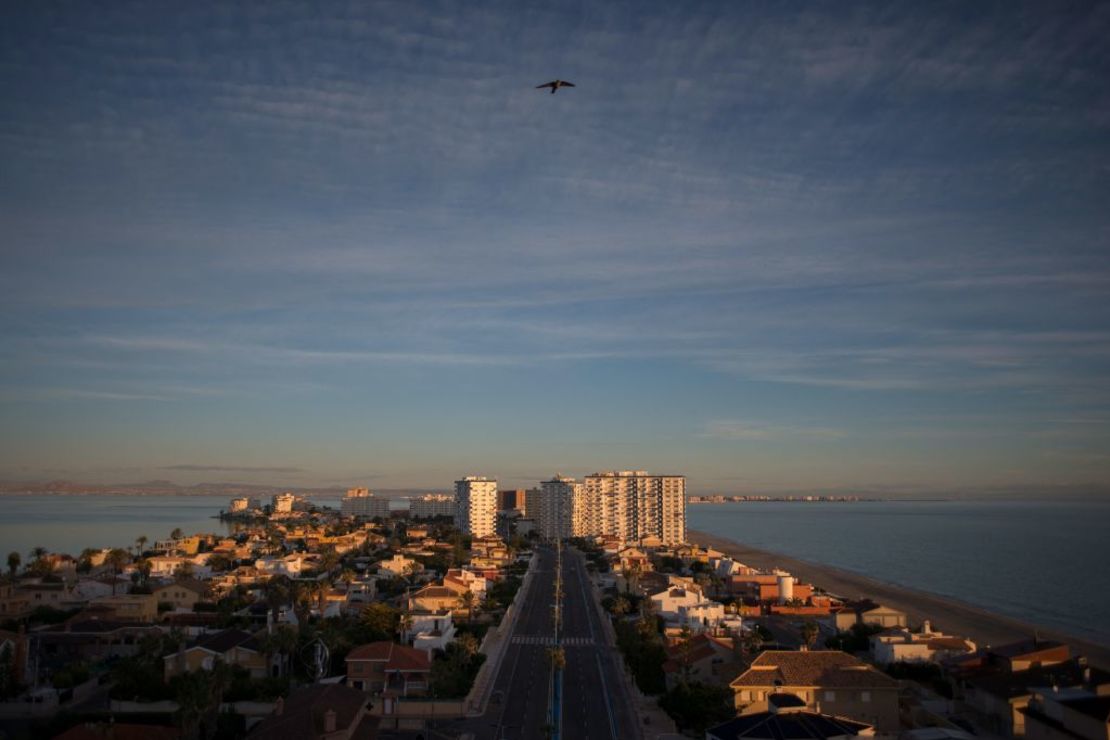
(667,603)
(431,631)
(926,646)
(458,579)
(398,566)
(702,616)
(290,565)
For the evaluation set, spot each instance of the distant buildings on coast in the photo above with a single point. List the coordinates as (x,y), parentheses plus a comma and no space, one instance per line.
(719,499)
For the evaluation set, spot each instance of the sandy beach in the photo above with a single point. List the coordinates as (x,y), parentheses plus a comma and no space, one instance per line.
(948,615)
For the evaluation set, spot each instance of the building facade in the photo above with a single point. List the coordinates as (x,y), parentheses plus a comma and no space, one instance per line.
(361,502)
(432,505)
(476,505)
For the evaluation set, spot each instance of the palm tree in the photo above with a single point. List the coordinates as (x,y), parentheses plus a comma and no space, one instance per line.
(809,632)
(468,600)
(13,564)
(140,543)
(753,640)
(38,553)
(348,577)
(468,645)
(620,606)
(404,624)
(176,534)
(117,558)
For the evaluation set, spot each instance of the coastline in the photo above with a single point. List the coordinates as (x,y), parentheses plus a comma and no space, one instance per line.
(949,615)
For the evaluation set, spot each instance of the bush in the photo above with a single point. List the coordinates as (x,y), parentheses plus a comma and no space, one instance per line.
(697,706)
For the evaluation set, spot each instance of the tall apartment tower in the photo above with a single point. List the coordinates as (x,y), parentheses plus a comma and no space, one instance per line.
(631,504)
(553,508)
(476,505)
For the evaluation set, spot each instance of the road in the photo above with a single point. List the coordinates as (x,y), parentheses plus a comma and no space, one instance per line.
(596,705)
(595,700)
(519,708)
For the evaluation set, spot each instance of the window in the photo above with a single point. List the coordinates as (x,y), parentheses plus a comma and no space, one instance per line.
(830,696)
(865,696)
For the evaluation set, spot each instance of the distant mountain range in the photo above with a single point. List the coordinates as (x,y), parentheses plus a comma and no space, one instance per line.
(169,488)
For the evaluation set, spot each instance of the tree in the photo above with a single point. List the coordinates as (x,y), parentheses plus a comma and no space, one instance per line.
(379,621)
(84,560)
(809,632)
(620,607)
(685,650)
(753,640)
(348,577)
(117,557)
(468,600)
(140,543)
(176,534)
(468,644)
(13,564)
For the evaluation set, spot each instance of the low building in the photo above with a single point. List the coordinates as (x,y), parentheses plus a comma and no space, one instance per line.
(232,647)
(788,717)
(828,681)
(388,669)
(868,613)
(434,599)
(926,646)
(399,566)
(128,607)
(1075,714)
(706,659)
(430,631)
(320,712)
(667,603)
(183,594)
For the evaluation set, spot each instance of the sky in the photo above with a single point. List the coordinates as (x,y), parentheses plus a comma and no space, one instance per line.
(773,247)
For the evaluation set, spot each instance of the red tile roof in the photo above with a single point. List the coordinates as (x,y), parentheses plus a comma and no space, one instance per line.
(396,657)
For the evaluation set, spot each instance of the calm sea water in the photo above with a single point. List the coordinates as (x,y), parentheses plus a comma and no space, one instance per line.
(1044,562)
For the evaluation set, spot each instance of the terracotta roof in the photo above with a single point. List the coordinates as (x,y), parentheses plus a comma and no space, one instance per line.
(396,657)
(303,711)
(824,668)
(785,726)
(119,731)
(191,584)
(434,592)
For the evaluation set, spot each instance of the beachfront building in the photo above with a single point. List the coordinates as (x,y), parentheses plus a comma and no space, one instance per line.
(476,505)
(1071,714)
(631,505)
(827,681)
(926,646)
(283,503)
(868,613)
(432,505)
(360,502)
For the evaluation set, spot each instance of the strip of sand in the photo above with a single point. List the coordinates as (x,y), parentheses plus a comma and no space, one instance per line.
(948,615)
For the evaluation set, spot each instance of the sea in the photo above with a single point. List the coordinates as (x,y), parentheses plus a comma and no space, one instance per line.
(1041,561)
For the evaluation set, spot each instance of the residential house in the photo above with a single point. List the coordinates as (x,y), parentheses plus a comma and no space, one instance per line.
(868,613)
(828,681)
(128,607)
(702,658)
(999,696)
(1069,714)
(788,717)
(52,595)
(92,636)
(14,603)
(433,598)
(182,594)
(288,565)
(926,646)
(632,559)
(319,712)
(399,566)
(430,631)
(231,646)
(388,669)
(461,581)
(667,603)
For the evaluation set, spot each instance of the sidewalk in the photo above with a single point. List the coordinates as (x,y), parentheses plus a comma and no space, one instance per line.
(651,721)
(493,647)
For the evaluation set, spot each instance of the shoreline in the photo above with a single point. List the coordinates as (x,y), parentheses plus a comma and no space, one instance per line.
(949,615)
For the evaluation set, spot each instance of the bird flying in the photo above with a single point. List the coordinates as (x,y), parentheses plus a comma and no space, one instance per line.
(555,85)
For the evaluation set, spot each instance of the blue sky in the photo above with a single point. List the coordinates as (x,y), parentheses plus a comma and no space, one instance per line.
(801,247)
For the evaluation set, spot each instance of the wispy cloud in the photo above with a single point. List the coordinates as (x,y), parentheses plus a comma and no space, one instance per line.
(749,430)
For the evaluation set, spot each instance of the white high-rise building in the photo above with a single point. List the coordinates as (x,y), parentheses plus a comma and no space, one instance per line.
(631,504)
(553,506)
(283,502)
(362,503)
(432,504)
(476,505)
